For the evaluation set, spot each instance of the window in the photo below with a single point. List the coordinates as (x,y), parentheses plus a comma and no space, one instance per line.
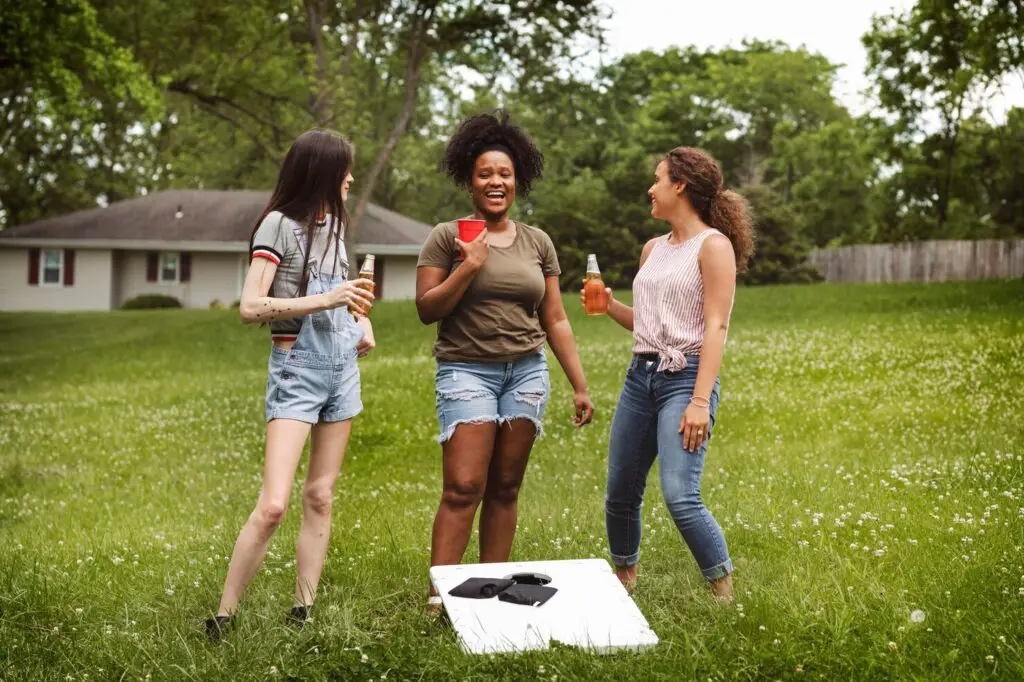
(53,268)
(169,268)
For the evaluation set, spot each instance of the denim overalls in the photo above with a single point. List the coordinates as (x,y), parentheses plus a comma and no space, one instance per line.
(317,380)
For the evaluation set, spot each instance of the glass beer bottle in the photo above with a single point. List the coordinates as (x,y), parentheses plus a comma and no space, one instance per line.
(365,272)
(595,296)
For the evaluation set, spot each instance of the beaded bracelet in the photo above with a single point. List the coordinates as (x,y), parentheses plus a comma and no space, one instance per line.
(694,399)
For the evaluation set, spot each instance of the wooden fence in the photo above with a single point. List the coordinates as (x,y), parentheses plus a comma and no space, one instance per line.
(937,261)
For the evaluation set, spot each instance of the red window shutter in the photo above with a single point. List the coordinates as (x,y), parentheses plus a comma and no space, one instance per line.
(69,267)
(33,266)
(152,263)
(185,274)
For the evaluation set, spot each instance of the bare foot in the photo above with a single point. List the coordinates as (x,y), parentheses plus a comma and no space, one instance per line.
(627,576)
(434,605)
(722,589)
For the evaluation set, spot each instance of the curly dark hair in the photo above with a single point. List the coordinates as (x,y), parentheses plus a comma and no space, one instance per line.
(487,132)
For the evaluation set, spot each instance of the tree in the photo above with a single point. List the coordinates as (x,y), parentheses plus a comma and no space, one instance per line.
(828,178)
(936,59)
(255,76)
(603,140)
(781,254)
(76,109)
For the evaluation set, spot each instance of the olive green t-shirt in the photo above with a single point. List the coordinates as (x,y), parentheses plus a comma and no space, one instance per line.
(497,319)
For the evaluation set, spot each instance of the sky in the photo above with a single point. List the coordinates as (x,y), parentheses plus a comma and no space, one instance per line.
(832,28)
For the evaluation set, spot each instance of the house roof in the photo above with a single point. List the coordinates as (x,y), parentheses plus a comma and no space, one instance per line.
(221,220)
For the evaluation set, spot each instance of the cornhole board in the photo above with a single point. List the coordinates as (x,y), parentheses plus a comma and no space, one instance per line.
(591,610)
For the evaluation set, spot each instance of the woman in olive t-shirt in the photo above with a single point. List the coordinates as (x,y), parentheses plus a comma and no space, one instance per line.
(495,299)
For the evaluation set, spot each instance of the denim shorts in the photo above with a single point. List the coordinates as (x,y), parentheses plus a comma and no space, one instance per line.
(312,387)
(481,392)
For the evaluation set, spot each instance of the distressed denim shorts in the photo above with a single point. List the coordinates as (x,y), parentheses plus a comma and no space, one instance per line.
(312,387)
(481,392)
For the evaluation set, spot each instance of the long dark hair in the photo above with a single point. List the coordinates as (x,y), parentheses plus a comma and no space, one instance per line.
(309,185)
(723,209)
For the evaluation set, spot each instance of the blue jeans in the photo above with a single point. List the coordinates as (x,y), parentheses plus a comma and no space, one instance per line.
(480,392)
(646,425)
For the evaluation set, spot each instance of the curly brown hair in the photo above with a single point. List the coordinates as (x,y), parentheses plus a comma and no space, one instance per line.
(486,132)
(722,209)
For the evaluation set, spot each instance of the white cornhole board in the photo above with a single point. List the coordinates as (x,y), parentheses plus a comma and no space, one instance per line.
(591,610)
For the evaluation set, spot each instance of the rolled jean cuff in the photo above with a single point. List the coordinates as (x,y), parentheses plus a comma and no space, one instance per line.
(625,561)
(718,572)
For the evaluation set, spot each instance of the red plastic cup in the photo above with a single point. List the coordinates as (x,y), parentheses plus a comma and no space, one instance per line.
(470,229)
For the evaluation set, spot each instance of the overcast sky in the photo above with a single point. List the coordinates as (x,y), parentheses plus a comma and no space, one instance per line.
(832,28)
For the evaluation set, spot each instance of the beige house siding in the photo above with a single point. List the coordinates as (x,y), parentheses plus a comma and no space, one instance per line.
(105,279)
(91,290)
(399,277)
(215,276)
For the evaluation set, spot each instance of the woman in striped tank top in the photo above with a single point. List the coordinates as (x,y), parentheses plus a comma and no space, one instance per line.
(682,297)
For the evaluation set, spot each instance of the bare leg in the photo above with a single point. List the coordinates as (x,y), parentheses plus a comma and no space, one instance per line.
(504,477)
(285,440)
(465,458)
(326,453)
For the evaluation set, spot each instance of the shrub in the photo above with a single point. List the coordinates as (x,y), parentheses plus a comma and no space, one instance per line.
(151,301)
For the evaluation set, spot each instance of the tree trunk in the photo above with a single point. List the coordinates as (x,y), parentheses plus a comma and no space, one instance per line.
(789,181)
(413,69)
(321,104)
(946,184)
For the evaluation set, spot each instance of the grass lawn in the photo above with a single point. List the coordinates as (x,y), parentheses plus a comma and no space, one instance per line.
(868,463)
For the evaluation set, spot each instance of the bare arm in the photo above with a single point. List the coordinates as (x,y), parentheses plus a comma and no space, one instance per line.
(437,292)
(718,274)
(256,307)
(563,343)
(619,311)
(368,342)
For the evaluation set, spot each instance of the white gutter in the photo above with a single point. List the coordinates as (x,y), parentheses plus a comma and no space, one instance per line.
(165,245)
(123,244)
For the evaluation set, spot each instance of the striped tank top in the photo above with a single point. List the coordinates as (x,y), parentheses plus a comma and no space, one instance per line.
(668,302)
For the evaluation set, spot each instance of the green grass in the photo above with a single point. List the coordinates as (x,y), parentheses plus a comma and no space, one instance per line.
(868,461)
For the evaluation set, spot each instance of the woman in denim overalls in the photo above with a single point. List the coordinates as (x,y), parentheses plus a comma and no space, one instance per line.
(313,379)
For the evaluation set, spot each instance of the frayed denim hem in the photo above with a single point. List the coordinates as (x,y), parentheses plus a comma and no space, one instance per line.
(495,419)
(450,431)
(536,423)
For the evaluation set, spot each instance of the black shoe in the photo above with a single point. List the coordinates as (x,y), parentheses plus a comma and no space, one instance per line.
(299,615)
(218,627)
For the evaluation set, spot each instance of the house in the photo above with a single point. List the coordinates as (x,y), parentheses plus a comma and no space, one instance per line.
(189,244)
